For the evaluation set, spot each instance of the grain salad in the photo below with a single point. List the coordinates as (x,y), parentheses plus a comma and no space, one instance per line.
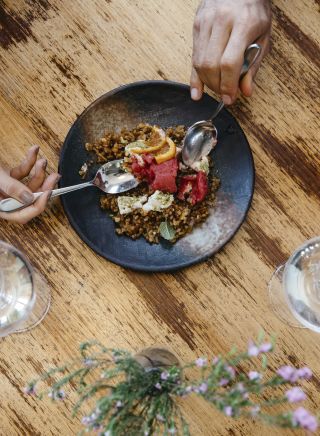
(171,199)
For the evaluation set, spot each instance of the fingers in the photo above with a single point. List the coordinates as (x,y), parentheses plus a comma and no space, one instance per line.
(39,175)
(25,215)
(23,170)
(210,68)
(196,85)
(50,182)
(230,66)
(13,188)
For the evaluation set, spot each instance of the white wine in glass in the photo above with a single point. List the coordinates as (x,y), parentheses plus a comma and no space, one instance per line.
(24,294)
(294,288)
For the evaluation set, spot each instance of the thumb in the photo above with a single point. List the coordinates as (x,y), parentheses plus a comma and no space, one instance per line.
(13,188)
(196,85)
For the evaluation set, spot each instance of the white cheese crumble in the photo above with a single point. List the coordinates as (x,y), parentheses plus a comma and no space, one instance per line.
(158,201)
(201,165)
(127,204)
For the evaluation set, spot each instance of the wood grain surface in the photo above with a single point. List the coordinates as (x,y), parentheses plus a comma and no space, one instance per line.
(58,56)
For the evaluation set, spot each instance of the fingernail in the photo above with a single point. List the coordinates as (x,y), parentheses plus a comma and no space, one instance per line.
(35,148)
(58,178)
(226,99)
(26,197)
(195,95)
(44,164)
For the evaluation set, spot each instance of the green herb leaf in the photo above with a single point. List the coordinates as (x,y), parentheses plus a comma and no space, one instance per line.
(167,231)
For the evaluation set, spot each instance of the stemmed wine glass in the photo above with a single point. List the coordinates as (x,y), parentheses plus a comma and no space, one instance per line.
(24,294)
(294,288)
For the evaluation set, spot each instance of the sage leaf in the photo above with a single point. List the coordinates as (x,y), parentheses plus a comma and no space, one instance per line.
(167,231)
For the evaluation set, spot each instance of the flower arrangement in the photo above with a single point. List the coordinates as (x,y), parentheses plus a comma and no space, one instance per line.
(137,394)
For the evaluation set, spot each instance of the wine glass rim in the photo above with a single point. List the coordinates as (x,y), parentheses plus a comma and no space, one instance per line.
(285,273)
(12,327)
(297,250)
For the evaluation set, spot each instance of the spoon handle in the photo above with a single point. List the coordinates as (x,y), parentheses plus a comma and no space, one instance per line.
(11,204)
(250,56)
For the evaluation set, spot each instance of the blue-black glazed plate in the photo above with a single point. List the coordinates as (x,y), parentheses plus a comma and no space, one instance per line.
(165,104)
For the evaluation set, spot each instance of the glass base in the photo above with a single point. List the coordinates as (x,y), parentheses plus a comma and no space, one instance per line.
(41,304)
(278,301)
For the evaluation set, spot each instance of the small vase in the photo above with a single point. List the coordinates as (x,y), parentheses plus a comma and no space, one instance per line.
(156,357)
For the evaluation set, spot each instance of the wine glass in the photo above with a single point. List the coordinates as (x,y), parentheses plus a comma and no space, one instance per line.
(294,288)
(24,294)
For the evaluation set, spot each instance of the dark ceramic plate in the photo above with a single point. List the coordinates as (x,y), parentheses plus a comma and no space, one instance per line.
(165,104)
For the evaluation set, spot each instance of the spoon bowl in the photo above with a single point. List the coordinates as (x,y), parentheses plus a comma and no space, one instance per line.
(111,178)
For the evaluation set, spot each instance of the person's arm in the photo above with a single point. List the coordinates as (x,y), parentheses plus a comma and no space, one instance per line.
(11,186)
(222,30)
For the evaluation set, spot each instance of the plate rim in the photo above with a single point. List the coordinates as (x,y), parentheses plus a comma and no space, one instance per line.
(129,264)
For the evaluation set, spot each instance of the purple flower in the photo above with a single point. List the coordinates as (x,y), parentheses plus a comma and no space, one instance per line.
(223,382)
(172,430)
(288,373)
(158,386)
(188,389)
(164,375)
(304,372)
(201,362)
(160,418)
(254,375)
(203,388)
(264,348)
(304,419)
(253,350)
(119,404)
(231,371)
(29,390)
(88,362)
(215,360)
(86,420)
(228,410)
(295,395)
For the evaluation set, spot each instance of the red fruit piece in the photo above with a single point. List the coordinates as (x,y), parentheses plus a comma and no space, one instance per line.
(193,188)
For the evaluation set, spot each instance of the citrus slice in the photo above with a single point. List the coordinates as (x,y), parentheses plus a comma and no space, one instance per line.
(155,142)
(168,152)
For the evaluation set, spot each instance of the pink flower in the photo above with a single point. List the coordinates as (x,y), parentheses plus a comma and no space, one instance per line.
(203,388)
(265,348)
(29,390)
(253,350)
(201,362)
(231,371)
(295,395)
(223,382)
(119,404)
(287,373)
(304,372)
(215,360)
(164,375)
(158,386)
(228,410)
(304,419)
(254,375)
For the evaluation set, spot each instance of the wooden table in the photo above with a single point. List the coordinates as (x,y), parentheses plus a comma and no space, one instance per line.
(58,56)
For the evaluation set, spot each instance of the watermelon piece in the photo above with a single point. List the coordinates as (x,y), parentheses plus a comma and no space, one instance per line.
(193,188)
(165,175)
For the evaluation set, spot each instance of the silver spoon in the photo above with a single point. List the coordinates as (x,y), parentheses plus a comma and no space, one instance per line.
(110,178)
(201,137)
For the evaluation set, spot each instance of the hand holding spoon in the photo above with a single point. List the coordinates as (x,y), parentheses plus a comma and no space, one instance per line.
(201,137)
(110,178)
